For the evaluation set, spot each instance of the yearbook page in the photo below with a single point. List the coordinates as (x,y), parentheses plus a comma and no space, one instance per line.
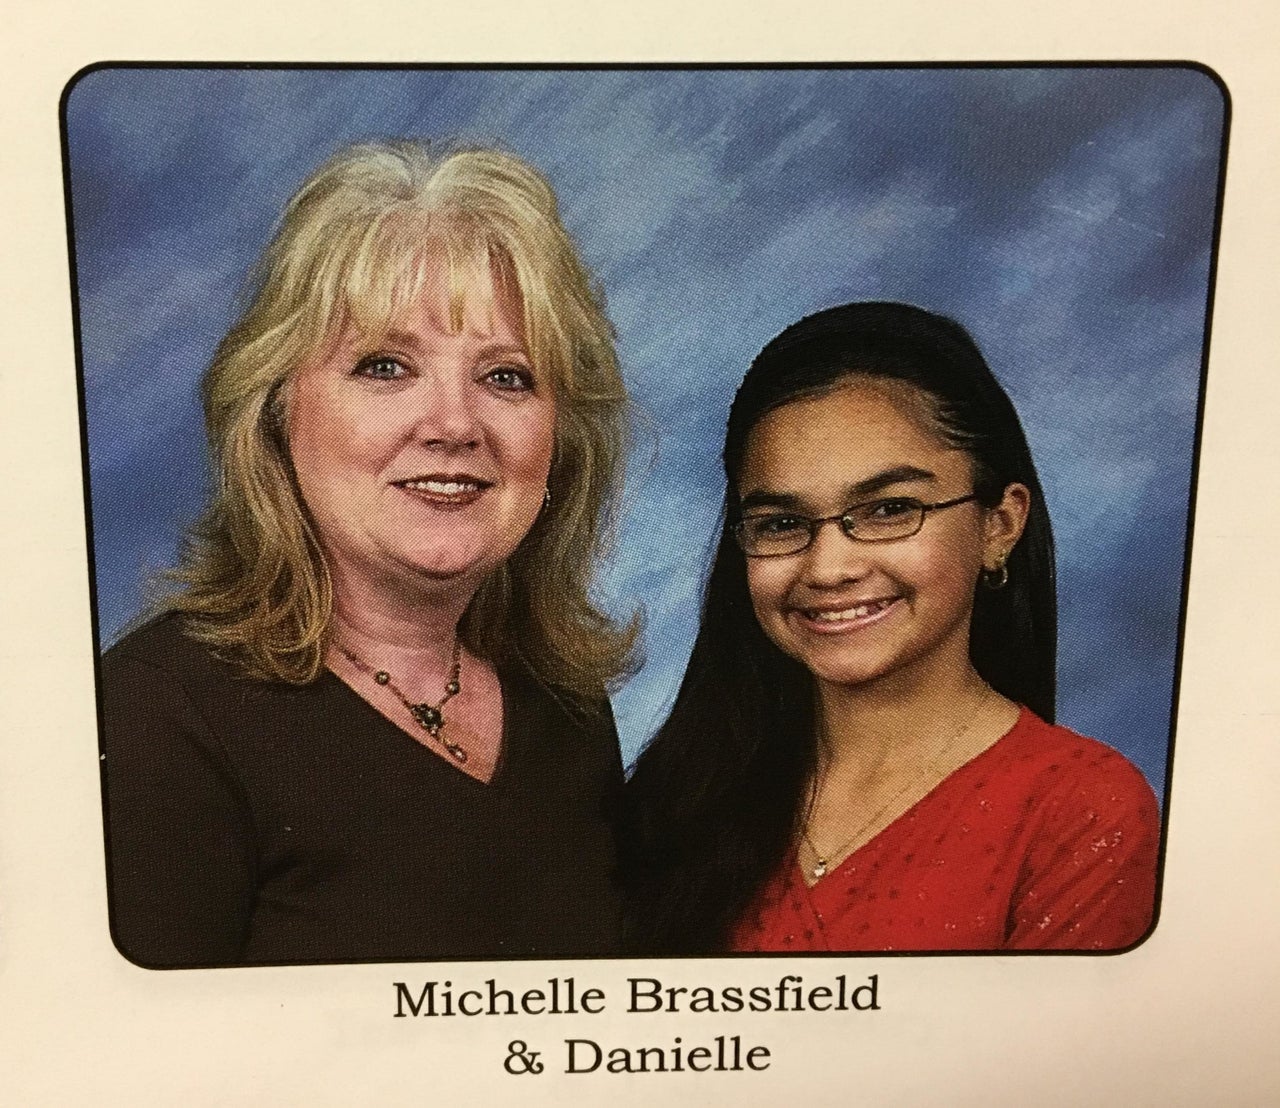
(575,555)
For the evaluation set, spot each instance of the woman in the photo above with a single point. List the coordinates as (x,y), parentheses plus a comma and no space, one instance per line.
(372,722)
(862,756)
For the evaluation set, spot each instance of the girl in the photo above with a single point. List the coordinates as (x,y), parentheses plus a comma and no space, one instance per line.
(862,754)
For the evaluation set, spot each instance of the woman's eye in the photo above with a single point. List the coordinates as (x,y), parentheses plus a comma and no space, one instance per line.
(510,378)
(380,369)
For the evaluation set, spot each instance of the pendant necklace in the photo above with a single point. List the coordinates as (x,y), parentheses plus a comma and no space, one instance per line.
(823,862)
(430,717)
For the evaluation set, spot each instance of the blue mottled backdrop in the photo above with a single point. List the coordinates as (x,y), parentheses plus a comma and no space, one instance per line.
(1065,216)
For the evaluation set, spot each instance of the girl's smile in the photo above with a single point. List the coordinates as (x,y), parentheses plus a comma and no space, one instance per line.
(847,617)
(849,609)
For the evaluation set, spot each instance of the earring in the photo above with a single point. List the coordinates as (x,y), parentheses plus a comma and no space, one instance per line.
(546,498)
(997,578)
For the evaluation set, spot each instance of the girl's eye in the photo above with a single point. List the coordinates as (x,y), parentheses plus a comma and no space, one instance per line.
(380,368)
(888,509)
(771,526)
(510,378)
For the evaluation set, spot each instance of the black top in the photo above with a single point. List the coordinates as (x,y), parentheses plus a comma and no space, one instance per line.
(252,822)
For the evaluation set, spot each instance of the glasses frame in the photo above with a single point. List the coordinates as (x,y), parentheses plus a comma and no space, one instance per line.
(815,524)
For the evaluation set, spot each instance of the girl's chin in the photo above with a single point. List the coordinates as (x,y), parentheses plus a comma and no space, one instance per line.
(835,663)
(848,676)
(897,667)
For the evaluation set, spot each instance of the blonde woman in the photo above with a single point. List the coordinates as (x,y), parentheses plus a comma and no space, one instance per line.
(371,723)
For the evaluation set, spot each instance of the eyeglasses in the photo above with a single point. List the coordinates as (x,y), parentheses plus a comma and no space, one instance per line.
(776,534)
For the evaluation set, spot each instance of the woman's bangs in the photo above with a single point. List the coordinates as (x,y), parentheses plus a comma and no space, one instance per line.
(545,336)
(381,276)
(397,261)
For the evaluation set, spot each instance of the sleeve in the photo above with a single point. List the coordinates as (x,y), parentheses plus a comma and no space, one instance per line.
(1088,880)
(180,861)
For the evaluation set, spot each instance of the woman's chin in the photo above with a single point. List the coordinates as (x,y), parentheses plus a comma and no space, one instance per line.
(429,571)
(453,572)
(448,558)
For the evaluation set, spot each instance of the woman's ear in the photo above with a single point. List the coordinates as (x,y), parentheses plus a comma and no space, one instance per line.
(1003,526)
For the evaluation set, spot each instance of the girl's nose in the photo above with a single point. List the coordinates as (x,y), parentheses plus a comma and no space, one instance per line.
(833,558)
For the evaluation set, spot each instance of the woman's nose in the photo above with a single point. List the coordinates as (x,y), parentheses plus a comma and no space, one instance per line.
(447,417)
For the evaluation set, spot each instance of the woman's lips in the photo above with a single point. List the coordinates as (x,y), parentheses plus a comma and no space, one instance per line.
(850,617)
(445,490)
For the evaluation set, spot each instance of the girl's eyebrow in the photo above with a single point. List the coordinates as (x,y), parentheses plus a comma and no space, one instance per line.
(896,475)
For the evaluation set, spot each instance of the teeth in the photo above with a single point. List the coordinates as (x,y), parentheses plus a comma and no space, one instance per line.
(861,611)
(442,488)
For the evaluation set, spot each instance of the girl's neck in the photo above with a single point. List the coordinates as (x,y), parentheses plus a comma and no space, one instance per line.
(901,719)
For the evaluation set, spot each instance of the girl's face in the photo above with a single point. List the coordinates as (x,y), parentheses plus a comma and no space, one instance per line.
(854,611)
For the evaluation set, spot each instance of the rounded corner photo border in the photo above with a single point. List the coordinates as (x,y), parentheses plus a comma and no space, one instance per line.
(1066,215)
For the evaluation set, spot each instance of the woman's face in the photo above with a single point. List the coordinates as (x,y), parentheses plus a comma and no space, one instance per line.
(423,456)
(854,611)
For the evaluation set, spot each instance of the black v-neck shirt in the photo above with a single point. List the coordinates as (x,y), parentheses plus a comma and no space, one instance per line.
(265,823)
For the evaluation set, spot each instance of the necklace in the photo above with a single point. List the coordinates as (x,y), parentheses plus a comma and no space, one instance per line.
(823,861)
(430,716)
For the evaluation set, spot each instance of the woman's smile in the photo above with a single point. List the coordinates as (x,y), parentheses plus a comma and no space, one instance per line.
(445,490)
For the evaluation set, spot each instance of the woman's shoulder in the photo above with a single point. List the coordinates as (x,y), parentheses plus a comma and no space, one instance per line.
(153,640)
(161,664)
(524,689)
(567,726)
(163,643)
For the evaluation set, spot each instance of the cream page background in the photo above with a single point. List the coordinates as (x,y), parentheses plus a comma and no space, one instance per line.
(1189,1018)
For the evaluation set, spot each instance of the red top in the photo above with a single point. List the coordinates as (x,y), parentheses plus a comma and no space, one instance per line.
(1044,841)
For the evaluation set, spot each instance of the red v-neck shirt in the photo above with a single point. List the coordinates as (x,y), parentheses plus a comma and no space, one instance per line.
(1044,841)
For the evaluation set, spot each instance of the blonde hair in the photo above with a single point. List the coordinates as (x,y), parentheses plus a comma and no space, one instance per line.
(350,250)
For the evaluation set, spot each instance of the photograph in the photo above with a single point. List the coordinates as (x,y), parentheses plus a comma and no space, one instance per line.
(600,512)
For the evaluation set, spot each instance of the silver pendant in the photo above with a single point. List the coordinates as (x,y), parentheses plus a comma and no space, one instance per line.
(820,870)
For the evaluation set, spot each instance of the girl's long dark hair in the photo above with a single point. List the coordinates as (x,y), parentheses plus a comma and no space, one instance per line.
(715,801)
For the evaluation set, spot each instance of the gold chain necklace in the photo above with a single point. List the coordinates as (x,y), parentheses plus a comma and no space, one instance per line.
(430,717)
(822,862)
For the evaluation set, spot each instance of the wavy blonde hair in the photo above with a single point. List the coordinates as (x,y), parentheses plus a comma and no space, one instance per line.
(350,250)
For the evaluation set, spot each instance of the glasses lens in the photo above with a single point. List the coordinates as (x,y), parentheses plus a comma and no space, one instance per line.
(883,520)
(763,535)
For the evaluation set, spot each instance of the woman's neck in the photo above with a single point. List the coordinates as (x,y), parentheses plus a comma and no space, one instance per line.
(393,630)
